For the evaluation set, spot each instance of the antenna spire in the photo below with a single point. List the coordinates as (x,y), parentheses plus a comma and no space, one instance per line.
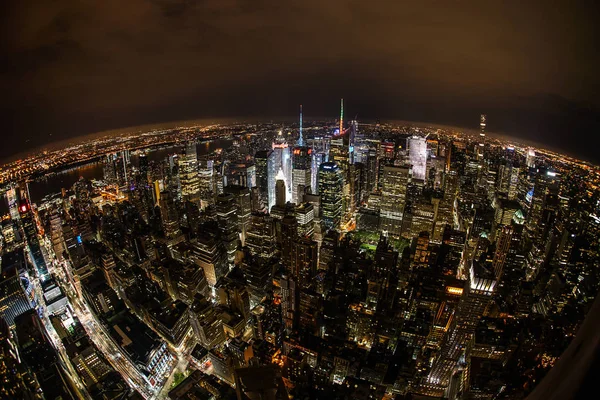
(300,138)
(341,116)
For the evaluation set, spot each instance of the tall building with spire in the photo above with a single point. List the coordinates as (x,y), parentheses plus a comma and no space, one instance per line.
(300,137)
(482,125)
(283,160)
(341,116)
(301,167)
(266,169)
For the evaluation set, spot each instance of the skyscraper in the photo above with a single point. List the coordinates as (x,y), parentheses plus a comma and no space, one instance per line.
(280,189)
(243,203)
(206,182)
(331,184)
(341,116)
(188,174)
(210,255)
(530,159)
(304,260)
(301,172)
(417,154)
(169,217)
(482,140)
(261,236)
(13,298)
(13,203)
(283,160)
(352,141)
(266,170)
(394,181)
(227,216)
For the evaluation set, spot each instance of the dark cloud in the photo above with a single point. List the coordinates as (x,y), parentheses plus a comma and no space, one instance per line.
(71,67)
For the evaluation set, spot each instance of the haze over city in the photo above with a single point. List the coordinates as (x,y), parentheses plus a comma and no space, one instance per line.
(72,68)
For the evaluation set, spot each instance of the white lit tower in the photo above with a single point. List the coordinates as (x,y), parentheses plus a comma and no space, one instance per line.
(283,160)
(13,202)
(530,159)
(417,155)
(482,142)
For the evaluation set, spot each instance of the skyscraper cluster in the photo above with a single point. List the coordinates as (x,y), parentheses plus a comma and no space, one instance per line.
(330,259)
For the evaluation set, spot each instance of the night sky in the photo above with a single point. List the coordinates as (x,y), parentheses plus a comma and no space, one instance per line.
(72,67)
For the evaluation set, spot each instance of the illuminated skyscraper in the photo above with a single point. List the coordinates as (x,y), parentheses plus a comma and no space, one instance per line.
(241,195)
(283,160)
(13,296)
(352,140)
(266,169)
(482,124)
(260,238)
(13,203)
(546,183)
(169,217)
(341,116)
(417,154)
(319,146)
(530,160)
(394,181)
(188,175)
(482,141)
(210,255)
(227,216)
(331,184)
(301,172)
(304,260)
(305,215)
(206,182)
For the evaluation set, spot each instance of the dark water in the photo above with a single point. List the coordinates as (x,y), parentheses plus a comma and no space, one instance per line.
(55,183)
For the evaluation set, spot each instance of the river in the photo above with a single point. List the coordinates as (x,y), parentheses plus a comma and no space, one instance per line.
(65,179)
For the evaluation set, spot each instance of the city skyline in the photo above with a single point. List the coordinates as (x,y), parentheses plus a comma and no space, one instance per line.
(77,69)
(227,248)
